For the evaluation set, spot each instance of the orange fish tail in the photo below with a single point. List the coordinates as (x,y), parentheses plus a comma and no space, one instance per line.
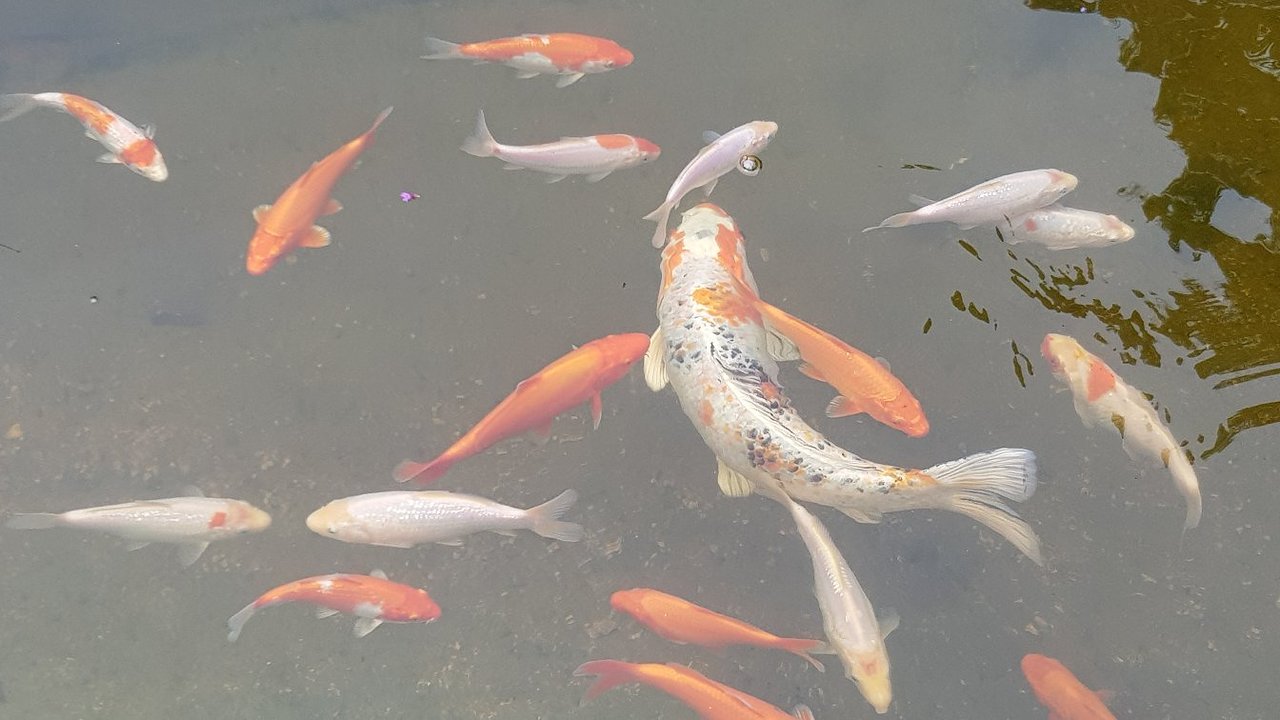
(802,647)
(421,473)
(610,674)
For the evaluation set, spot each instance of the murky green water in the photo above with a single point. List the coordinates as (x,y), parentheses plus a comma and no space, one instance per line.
(311,382)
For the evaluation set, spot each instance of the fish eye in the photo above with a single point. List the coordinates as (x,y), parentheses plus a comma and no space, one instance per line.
(750,165)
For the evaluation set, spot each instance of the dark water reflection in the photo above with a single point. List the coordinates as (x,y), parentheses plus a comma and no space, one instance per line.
(1219,100)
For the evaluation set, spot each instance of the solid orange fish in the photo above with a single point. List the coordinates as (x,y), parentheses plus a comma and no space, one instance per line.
(372,598)
(290,223)
(1059,690)
(575,378)
(710,699)
(568,55)
(680,621)
(865,385)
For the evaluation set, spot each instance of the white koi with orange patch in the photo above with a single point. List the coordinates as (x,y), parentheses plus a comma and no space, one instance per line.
(713,347)
(1058,227)
(125,142)
(1103,399)
(191,522)
(595,156)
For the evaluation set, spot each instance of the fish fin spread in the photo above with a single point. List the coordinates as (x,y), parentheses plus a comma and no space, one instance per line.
(192,491)
(841,406)
(919,200)
(260,212)
(236,623)
(364,626)
(525,74)
(33,521)
(610,674)
(893,221)
(136,545)
(569,79)
(780,347)
(655,370)
(597,177)
(438,49)
(421,473)
(597,410)
(802,712)
(541,433)
(979,485)
(710,136)
(376,572)
(731,482)
(554,178)
(15,104)
(888,622)
(862,515)
(189,553)
(324,612)
(802,647)
(331,207)
(812,372)
(480,142)
(710,187)
(110,159)
(662,216)
(546,518)
(316,237)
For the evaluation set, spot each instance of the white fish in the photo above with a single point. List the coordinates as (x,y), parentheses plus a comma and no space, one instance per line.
(190,522)
(404,519)
(991,203)
(1062,228)
(126,143)
(1102,398)
(721,155)
(594,156)
(847,616)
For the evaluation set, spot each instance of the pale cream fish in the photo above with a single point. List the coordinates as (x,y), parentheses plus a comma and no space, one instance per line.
(990,203)
(126,143)
(190,522)
(595,156)
(1062,228)
(847,616)
(404,519)
(722,154)
(1103,399)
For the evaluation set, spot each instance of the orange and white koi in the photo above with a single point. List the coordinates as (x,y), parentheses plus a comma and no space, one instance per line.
(574,378)
(865,385)
(595,156)
(709,699)
(681,621)
(372,598)
(126,143)
(1103,399)
(290,223)
(712,346)
(191,522)
(1062,692)
(569,55)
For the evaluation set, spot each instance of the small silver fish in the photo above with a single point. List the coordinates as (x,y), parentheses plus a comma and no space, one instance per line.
(404,519)
(1058,227)
(991,203)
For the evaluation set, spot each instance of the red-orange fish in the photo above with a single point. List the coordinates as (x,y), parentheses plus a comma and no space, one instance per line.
(681,621)
(865,385)
(1059,690)
(290,223)
(568,55)
(710,699)
(575,378)
(372,598)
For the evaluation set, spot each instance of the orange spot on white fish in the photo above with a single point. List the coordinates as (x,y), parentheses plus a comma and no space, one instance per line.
(706,412)
(139,153)
(615,142)
(90,113)
(1101,380)
(218,520)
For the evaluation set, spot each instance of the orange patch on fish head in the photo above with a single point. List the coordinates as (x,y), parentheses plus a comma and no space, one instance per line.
(246,518)
(614,142)
(1100,380)
(422,607)
(648,149)
(93,115)
(1052,348)
(139,153)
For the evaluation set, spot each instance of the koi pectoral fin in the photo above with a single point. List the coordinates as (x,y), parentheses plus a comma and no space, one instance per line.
(841,406)
(731,482)
(109,158)
(567,80)
(316,237)
(331,207)
(597,410)
(259,212)
(189,553)
(655,370)
(364,626)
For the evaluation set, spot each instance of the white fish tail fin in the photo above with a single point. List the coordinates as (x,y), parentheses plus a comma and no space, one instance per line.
(33,521)
(480,143)
(980,484)
(237,621)
(546,518)
(11,106)
(1185,480)
(661,216)
(900,220)
(438,49)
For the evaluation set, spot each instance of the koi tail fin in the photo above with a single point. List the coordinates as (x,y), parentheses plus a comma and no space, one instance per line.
(803,647)
(236,623)
(546,518)
(378,121)
(661,216)
(421,473)
(979,485)
(611,674)
(33,521)
(894,221)
(1185,480)
(480,143)
(438,49)
(11,106)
